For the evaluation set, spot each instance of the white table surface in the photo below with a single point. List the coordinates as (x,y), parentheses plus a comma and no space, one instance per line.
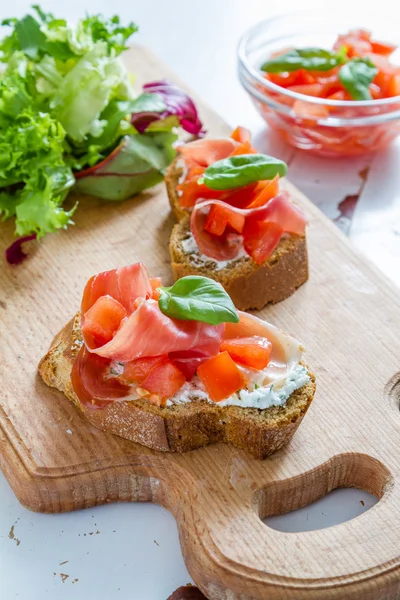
(132,551)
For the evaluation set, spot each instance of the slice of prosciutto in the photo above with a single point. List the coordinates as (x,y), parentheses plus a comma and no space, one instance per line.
(148,332)
(90,378)
(124,285)
(205,152)
(286,350)
(279,210)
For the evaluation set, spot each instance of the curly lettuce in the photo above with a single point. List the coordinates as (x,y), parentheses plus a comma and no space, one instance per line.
(67,118)
(34,179)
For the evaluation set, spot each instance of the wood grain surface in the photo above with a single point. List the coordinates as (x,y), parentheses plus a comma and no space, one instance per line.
(348,317)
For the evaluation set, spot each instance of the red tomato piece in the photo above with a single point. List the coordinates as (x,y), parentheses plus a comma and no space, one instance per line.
(155,283)
(339,95)
(254,352)
(382,64)
(221,376)
(164,380)
(382,48)
(357,42)
(220,216)
(137,370)
(101,321)
(190,190)
(303,77)
(243,148)
(393,87)
(268,190)
(241,197)
(307,110)
(241,134)
(308,89)
(260,239)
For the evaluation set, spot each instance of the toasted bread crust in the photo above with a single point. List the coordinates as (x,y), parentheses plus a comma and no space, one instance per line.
(182,427)
(251,286)
(172,175)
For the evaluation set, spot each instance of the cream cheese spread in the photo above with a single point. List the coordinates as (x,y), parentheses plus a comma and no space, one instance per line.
(253,396)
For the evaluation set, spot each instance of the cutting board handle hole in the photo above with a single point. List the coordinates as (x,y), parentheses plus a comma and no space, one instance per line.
(349,470)
(392,391)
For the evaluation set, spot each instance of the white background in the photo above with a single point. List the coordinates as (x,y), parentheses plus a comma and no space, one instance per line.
(132,551)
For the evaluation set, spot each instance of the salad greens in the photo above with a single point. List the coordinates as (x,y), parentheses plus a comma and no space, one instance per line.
(67,114)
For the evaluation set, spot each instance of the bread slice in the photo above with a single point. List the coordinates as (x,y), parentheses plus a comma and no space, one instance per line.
(172,176)
(251,286)
(180,427)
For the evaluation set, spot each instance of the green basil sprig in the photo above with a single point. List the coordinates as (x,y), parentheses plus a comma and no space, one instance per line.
(310,59)
(356,76)
(237,171)
(196,298)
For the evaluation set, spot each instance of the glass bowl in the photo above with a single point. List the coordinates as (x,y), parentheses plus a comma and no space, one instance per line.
(324,127)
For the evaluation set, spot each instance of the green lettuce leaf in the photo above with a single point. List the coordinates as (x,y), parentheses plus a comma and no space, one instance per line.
(115,118)
(40,34)
(34,179)
(137,163)
(86,90)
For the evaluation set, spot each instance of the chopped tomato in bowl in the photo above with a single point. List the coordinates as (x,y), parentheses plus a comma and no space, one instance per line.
(325,83)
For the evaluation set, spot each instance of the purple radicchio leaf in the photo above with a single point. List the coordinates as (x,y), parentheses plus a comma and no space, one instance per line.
(14,253)
(179,104)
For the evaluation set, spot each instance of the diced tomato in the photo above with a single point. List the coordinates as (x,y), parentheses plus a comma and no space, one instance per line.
(241,197)
(254,352)
(375,91)
(304,77)
(331,85)
(307,110)
(260,239)
(221,376)
(241,134)
(190,190)
(268,190)
(101,321)
(220,216)
(339,95)
(356,42)
(393,87)
(137,370)
(382,81)
(382,63)
(299,77)
(155,283)
(310,89)
(164,380)
(382,48)
(243,148)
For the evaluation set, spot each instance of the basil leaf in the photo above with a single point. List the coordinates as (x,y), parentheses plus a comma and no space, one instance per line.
(356,76)
(237,171)
(196,298)
(310,59)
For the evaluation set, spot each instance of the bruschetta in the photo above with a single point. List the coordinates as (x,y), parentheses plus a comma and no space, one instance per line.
(177,368)
(236,225)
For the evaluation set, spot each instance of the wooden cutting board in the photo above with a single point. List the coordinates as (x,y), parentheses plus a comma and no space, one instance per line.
(348,317)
